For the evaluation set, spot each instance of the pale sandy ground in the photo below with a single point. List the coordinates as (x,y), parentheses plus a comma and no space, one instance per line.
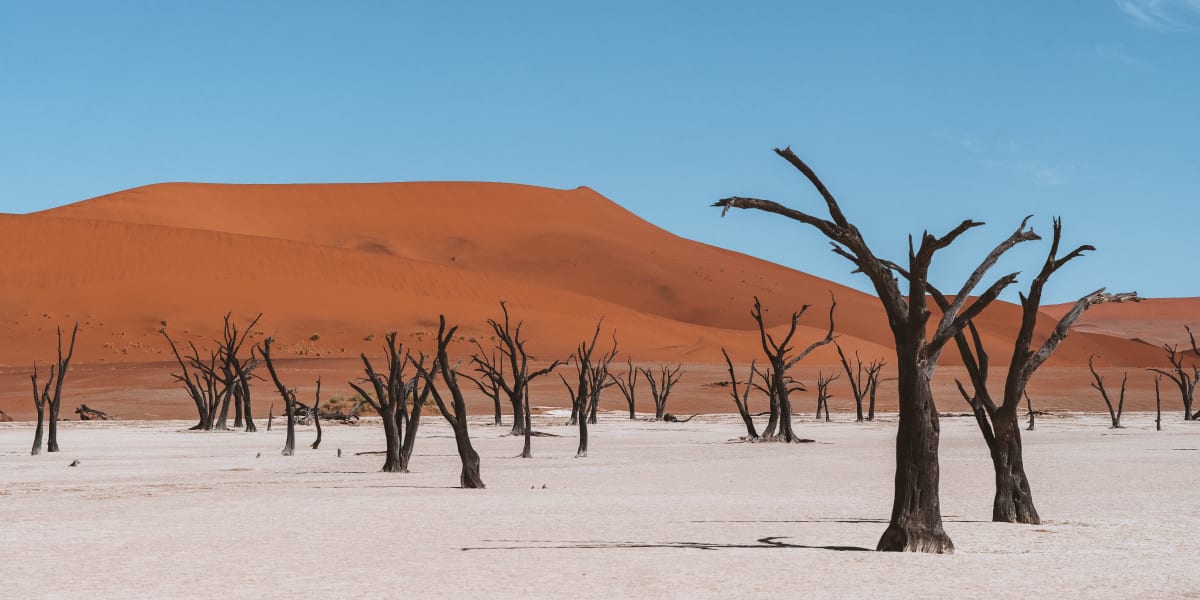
(656,510)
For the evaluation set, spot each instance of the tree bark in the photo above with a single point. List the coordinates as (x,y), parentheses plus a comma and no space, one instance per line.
(1013,502)
(916,522)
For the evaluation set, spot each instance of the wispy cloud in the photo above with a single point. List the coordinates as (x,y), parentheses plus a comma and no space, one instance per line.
(1164,15)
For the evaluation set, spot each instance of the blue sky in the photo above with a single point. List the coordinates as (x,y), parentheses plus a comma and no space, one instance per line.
(917,114)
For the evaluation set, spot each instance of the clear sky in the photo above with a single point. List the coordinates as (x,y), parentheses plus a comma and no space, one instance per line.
(917,114)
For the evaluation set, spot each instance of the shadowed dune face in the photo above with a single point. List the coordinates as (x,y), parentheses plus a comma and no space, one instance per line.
(335,266)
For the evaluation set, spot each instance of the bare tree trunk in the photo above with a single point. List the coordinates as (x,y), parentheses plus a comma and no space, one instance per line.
(916,522)
(391,433)
(40,399)
(1013,501)
(289,406)
(316,415)
(527,450)
(1029,407)
(1157,405)
(270,416)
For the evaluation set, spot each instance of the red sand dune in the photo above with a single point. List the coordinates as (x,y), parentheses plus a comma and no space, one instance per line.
(333,265)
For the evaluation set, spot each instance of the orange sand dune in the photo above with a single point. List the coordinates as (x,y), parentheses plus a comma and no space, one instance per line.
(333,267)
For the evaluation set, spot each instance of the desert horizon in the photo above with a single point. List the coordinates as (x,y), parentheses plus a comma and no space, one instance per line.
(329,285)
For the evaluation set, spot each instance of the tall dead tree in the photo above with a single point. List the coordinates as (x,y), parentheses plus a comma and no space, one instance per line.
(823,394)
(514,381)
(456,412)
(779,356)
(54,401)
(742,399)
(627,383)
(1000,423)
(1113,413)
(1179,375)
(390,400)
(916,520)
(40,400)
(660,390)
(600,381)
(289,398)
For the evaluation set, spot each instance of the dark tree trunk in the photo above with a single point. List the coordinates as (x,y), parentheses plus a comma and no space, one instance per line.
(916,522)
(527,450)
(518,406)
(581,452)
(1157,406)
(1013,502)
(391,433)
(270,416)
(245,398)
(37,433)
(237,406)
(289,444)
(316,415)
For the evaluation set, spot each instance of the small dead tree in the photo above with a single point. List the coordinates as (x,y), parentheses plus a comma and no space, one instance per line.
(513,381)
(1029,409)
(916,521)
(316,415)
(456,412)
(856,377)
(823,394)
(742,399)
(1179,375)
(600,381)
(289,398)
(627,383)
(1157,404)
(390,400)
(779,356)
(54,401)
(40,400)
(660,390)
(585,391)
(220,380)
(1114,414)
(874,370)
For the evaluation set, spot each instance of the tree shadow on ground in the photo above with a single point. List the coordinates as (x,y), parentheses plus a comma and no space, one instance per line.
(766,543)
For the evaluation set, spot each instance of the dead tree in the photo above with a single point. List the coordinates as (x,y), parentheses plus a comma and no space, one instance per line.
(91,414)
(823,394)
(490,369)
(54,401)
(779,355)
(863,380)
(874,370)
(40,400)
(1029,409)
(514,381)
(742,399)
(627,383)
(916,520)
(1114,414)
(221,379)
(316,415)
(390,400)
(583,394)
(1157,404)
(1000,424)
(1179,375)
(661,389)
(456,412)
(289,398)
(600,381)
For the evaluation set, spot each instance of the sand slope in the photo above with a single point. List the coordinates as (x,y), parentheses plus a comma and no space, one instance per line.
(334,266)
